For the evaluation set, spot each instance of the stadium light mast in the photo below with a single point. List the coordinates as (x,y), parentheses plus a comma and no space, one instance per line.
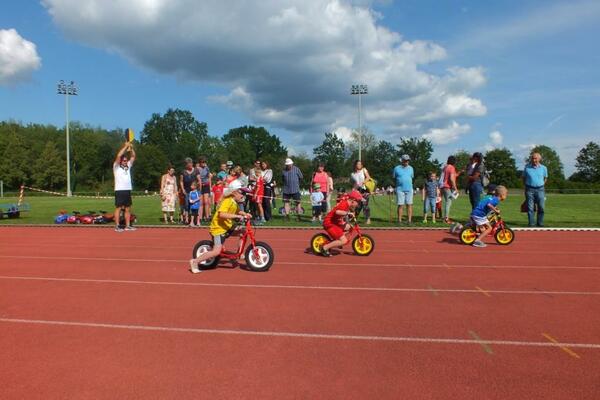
(359,90)
(67,89)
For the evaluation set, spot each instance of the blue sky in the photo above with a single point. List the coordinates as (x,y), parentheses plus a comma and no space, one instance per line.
(469,75)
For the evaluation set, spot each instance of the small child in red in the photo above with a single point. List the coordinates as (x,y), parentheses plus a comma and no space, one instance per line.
(217,190)
(334,222)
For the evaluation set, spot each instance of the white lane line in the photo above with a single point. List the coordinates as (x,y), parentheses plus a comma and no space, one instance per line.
(185,261)
(306,287)
(300,334)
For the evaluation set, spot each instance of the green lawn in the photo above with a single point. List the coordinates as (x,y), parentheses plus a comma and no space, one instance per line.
(562,210)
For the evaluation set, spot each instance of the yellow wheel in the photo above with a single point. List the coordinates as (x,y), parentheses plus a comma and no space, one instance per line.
(363,245)
(468,235)
(504,236)
(317,241)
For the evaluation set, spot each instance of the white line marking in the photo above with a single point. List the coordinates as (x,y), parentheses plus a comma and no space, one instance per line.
(300,334)
(185,261)
(307,287)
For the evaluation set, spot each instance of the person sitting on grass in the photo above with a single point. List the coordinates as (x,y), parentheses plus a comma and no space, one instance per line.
(221,225)
(335,224)
(479,213)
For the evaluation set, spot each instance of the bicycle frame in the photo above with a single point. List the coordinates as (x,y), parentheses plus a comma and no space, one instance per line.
(247,235)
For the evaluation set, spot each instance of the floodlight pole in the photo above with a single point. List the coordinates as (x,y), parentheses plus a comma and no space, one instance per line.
(67,90)
(359,90)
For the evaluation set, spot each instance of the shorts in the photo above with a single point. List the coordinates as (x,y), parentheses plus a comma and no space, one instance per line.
(287,197)
(194,212)
(123,198)
(316,210)
(219,240)
(335,232)
(205,189)
(403,197)
(480,221)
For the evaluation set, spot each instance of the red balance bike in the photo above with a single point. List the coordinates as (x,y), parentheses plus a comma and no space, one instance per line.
(259,255)
(503,234)
(362,244)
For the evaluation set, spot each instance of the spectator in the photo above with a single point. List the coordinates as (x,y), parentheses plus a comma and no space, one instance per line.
(122,173)
(359,176)
(205,181)
(448,186)
(195,205)
(329,190)
(223,172)
(291,188)
(475,171)
(321,178)
(430,193)
(269,192)
(316,200)
(259,191)
(168,194)
(187,177)
(534,177)
(404,175)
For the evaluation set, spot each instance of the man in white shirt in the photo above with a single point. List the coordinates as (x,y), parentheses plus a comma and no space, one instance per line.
(122,173)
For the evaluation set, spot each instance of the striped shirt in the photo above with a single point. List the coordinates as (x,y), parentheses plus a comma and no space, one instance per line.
(291,180)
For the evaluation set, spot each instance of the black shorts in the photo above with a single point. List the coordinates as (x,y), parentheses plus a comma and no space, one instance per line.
(292,196)
(205,189)
(194,212)
(123,198)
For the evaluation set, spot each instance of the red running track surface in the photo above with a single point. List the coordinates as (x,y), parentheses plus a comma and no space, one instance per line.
(92,314)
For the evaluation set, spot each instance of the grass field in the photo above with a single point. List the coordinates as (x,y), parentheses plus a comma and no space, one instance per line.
(561,210)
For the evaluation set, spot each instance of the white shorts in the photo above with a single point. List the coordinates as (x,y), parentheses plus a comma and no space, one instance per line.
(403,197)
(480,221)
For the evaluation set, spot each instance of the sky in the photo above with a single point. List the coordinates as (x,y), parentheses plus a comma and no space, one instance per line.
(467,75)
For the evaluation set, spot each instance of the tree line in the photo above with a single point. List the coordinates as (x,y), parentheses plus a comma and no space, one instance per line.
(34,154)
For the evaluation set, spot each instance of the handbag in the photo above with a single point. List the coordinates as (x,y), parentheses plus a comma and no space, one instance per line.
(370,185)
(524,207)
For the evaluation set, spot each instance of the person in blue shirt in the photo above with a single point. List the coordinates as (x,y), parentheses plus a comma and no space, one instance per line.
(195,201)
(534,177)
(479,213)
(404,175)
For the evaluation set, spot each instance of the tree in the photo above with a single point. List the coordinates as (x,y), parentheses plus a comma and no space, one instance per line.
(332,153)
(150,164)
(177,133)
(15,166)
(385,157)
(551,160)
(246,144)
(49,170)
(420,151)
(501,166)
(462,161)
(588,163)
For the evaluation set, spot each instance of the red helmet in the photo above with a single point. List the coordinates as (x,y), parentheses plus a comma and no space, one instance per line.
(355,195)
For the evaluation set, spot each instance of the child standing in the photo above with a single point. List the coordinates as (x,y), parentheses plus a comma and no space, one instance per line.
(217,190)
(431,192)
(194,206)
(316,199)
(479,213)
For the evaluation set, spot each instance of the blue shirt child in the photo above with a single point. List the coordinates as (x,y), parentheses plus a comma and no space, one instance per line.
(482,209)
(431,189)
(194,197)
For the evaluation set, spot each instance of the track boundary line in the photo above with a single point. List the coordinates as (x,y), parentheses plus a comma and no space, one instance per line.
(186,261)
(429,289)
(305,335)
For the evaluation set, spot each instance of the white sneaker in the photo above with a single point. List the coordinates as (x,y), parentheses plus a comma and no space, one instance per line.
(479,243)
(194,268)
(130,228)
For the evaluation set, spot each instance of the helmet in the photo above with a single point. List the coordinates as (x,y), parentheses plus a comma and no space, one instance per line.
(355,195)
(232,187)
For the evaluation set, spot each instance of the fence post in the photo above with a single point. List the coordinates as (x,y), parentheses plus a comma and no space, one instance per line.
(1,188)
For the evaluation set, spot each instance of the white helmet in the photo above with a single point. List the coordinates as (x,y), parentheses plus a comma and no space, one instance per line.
(232,187)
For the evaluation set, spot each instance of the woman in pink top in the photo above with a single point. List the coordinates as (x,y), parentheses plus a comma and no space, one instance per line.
(449,190)
(320,177)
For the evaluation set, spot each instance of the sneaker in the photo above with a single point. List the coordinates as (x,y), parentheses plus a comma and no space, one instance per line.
(479,243)
(325,253)
(194,268)
(130,228)
(424,221)
(119,229)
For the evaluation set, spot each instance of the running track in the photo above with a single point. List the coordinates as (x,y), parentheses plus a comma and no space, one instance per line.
(91,314)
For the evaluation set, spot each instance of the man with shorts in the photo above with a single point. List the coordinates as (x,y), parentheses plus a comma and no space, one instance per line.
(404,175)
(291,187)
(122,173)
(221,225)
(335,223)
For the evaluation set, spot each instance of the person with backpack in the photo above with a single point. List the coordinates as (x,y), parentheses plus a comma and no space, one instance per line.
(476,175)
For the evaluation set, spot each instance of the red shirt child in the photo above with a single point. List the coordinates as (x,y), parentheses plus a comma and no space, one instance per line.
(217,191)
(259,190)
(334,223)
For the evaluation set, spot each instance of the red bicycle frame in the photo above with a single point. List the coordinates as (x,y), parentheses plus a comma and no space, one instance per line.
(247,234)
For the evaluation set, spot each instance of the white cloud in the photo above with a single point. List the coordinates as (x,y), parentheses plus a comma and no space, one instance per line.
(286,63)
(18,58)
(449,134)
(343,133)
(496,138)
